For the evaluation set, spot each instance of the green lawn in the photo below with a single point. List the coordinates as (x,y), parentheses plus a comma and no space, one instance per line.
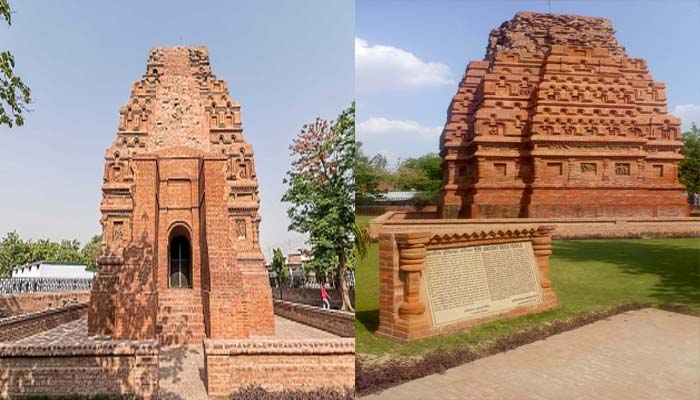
(587,275)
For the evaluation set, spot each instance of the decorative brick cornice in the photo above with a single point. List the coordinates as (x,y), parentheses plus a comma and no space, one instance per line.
(449,238)
(279,346)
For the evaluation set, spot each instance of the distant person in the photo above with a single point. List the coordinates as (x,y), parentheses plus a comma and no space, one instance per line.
(325,297)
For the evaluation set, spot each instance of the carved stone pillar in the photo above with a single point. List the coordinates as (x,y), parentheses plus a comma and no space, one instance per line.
(542,247)
(606,170)
(412,254)
(640,168)
(572,169)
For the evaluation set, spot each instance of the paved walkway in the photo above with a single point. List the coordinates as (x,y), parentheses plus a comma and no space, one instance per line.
(180,369)
(181,372)
(645,354)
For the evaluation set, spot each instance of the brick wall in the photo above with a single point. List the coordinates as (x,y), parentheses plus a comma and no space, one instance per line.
(110,368)
(20,303)
(277,364)
(379,210)
(310,296)
(341,323)
(567,228)
(25,325)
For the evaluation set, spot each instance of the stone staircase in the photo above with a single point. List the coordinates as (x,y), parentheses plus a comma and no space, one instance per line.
(180,317)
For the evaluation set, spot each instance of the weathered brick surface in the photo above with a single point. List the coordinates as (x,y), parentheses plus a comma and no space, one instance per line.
(403,312)
(21,303)
(109,367)
(180,167)
(341,323)
(29,324)
(379,210)
(567,228)
(277,364)
(557,121)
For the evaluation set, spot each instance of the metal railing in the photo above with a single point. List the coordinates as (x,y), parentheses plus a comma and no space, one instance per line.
(35,285)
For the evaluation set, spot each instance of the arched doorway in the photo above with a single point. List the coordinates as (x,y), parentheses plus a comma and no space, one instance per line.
(180,262)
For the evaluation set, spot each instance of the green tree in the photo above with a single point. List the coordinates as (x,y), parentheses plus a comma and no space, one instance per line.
(43,249)
(322,193)
(90,251)
(14,94)
(422,174)
(368,173)
(689,168)
(13,252)
(279,266)
(68,252)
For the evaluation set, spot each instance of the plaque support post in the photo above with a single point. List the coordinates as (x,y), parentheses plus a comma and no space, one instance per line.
(542,247)
(412,252)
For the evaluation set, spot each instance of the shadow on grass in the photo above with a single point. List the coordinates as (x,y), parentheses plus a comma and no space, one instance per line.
(676,265)
(369,318)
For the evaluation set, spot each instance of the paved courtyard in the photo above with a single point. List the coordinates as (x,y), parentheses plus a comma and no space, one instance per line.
(645,354)
(180,369)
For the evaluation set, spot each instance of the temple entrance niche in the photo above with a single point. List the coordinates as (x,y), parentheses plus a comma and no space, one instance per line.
(180,259)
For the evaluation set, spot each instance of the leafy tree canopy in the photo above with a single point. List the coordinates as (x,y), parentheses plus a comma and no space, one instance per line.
(689,168)
(279,266)
(322,193)
(15,251)
(14,94)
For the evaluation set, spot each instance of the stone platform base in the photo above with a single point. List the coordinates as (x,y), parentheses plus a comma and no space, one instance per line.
(398,333)
(64,362)
(278,364)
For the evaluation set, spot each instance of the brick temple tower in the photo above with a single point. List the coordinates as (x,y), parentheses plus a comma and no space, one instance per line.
(557,121)
(180,257)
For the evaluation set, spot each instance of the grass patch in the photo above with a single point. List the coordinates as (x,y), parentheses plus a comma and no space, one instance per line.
(587,275)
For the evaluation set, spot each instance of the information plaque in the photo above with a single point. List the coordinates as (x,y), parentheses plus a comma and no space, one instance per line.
(475,281)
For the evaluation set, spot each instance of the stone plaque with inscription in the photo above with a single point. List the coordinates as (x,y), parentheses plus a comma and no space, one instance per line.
(475,281)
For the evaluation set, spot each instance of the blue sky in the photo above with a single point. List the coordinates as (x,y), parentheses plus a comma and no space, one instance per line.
(410,55)
(286,62)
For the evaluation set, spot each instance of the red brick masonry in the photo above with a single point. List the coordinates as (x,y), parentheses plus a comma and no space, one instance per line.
(558,121)
(277,364)
(21,303)
(25,325)
(118,368)
(341,323)
(403,314)
(567,228)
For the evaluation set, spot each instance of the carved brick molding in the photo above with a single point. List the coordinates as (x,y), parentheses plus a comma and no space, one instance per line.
(558,121)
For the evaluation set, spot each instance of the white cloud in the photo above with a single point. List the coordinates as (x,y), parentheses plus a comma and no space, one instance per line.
(688,113)
(383,127)
(386,67)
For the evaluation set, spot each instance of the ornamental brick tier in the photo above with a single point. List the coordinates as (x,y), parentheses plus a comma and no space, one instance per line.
(180,257)
(557,121)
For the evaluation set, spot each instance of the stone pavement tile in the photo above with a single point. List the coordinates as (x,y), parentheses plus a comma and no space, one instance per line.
(644,354)
(74,332)
(288,329)
(181,373)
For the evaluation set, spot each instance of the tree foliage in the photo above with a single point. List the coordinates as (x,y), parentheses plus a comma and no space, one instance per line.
(689,168)
(369,172)
(422,174)
(14,94)
(14,251)
(322,193)
(279,266)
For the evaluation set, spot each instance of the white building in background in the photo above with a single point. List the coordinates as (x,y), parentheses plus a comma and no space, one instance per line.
(44,269)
